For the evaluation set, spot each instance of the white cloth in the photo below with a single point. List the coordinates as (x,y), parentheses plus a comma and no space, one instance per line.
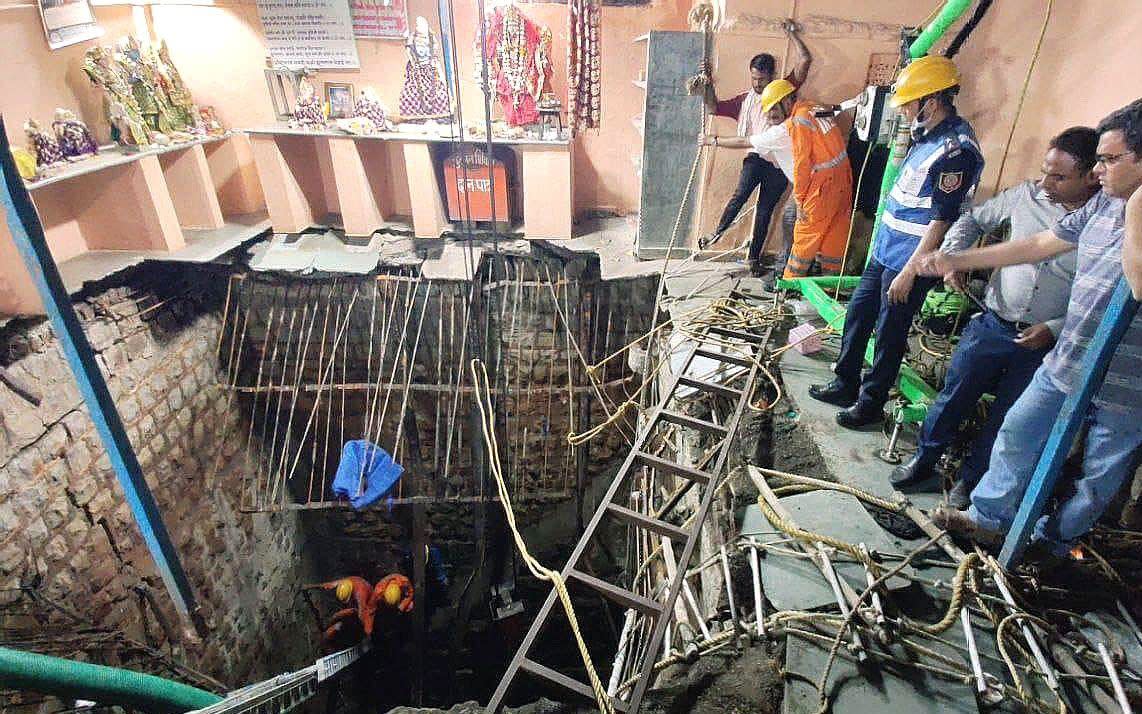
(775,146)
(751,119)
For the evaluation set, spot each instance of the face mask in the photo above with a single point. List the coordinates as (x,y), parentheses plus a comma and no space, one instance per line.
(919,122)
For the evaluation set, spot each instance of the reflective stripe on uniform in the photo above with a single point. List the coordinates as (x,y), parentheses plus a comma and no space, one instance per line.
(908,200)
(804,121)
(826,260)
(835,161)
(896,224)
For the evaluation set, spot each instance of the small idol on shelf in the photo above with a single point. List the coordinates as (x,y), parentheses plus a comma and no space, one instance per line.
(75,140)
(44,145)
(308,113)
(423,96)
(369,107)
(208,121)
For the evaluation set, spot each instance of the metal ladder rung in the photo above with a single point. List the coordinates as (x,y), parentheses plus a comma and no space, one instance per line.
(692,422)
(725,357)
(670,467)
(710,387)
(617,594)
(648,523)
(574,685)
(735,334)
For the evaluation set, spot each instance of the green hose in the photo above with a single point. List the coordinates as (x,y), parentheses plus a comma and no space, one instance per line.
(106,685)
(951,12)
(937,27)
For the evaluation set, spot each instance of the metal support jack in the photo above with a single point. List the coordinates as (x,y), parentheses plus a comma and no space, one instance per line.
(856,643)
(28,234)
(658,610)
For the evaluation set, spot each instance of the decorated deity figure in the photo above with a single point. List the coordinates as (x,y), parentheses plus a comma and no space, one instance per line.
(308,113)
(119,106)
(517,52)
(170,80)
(424,95)
(44,145)
(143,78)
(75,140)
(369,107)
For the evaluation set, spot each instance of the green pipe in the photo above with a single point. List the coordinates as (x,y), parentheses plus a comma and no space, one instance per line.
(107,685)
(948,15)
(951,12)
(823,281)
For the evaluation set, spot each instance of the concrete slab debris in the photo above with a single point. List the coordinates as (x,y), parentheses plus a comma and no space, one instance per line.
(794,583)
(870,690)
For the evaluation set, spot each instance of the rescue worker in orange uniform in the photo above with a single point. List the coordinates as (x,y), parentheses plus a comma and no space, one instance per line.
(811,151)
(358,590)
(395,591)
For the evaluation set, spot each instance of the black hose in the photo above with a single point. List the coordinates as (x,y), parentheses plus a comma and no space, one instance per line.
(966,30)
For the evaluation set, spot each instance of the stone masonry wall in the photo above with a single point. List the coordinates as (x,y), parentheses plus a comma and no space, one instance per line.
(66,525)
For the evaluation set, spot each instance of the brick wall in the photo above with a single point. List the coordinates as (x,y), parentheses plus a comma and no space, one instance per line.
(65,522)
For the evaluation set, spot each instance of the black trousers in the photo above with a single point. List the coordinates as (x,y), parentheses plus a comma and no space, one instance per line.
(755,171)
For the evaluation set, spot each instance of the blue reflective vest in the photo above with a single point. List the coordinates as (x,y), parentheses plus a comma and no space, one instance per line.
(908,210)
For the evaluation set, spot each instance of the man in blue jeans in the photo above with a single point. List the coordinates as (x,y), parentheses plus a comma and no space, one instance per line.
(939,173)
(1003,346)
(1115,415)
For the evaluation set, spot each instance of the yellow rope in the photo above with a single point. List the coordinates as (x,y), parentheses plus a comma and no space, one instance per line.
(1023,94)
(483,402)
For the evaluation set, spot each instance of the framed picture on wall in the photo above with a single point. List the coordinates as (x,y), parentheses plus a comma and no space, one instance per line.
(339,97)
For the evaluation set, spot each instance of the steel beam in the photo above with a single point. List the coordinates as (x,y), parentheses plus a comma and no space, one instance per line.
(28,234)
(1115,321)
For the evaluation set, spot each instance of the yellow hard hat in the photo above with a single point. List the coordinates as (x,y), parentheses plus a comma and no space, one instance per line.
(392,594)
(774,92)
(924,76)
(344,590)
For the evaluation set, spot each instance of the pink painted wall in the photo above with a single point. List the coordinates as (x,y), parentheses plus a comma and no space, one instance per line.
(1086,68)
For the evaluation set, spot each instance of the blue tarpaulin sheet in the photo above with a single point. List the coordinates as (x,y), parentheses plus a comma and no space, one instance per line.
(361,458)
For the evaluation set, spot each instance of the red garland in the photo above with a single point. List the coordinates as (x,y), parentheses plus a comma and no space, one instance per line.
(584,77)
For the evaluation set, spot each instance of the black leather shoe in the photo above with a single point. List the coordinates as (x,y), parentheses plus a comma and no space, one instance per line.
(859,415)
(913,471)
(959,497)
(835,392)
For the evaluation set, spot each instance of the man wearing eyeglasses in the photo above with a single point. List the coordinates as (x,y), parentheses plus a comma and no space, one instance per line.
(1096,232)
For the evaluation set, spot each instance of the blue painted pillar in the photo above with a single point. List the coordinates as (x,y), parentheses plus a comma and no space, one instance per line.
(28,234)
(1117,318)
